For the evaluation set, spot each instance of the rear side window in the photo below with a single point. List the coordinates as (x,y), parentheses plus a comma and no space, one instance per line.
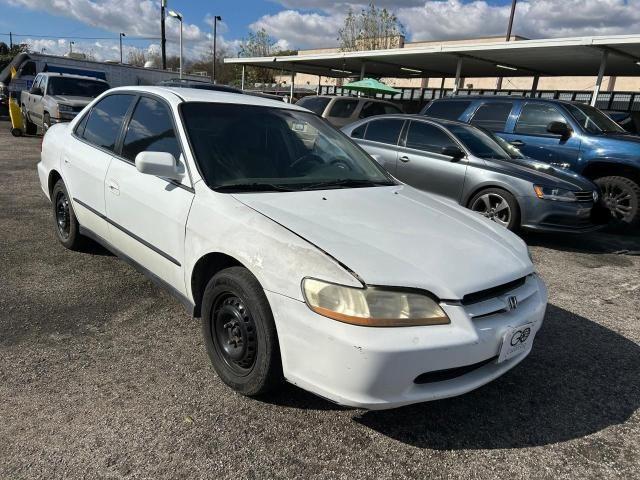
(428,138)
(315,104)
(105,121)
(535,117)
(384,131)
(450,110)
(150,130)
(343,108)
(492,116)
(371,109)
(358,132)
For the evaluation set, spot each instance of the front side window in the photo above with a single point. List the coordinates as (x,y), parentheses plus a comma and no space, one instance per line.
(478,143)
(76,87)
(315,104)
(492,116)
(535,117)
(245,148)
(384,131)
(343,108)
(447,109)
(105,121)
(592,119)
(428,138)
(150,129)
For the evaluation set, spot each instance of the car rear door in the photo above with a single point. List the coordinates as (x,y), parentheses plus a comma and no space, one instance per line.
(420,163)
(148,214)
(87,156)
(380,139)
(531,137)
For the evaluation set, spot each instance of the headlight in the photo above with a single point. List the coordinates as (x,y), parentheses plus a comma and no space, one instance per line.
(372,306)
(554,193)
(65,108)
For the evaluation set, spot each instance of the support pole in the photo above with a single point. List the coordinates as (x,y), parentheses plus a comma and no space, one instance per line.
(362,70)
(603,66)
(293,79)
(163,37)
(242,79)
(534,86)
(319,84)
(456,84)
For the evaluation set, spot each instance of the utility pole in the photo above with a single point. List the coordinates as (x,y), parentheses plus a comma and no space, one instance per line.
(508,39)
(10,39)
(71,44)
(215,36)
(121,35)
(163,39)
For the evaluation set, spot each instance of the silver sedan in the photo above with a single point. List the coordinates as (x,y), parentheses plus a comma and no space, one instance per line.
(479,171)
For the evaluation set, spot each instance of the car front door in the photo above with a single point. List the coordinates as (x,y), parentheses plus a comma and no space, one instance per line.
(148,214)
(380,139)
(422,165)
(531,137)
(34,100)
(86,158)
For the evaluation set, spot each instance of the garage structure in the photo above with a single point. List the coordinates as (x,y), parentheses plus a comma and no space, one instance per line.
(617,55)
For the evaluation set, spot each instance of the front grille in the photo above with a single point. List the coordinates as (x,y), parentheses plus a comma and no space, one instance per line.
(450,373)
(77,109)
(586,196)
(492,292)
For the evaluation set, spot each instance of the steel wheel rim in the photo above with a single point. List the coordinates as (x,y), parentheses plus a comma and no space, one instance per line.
(63,215)
(234,333)
(493,206)
(617,199)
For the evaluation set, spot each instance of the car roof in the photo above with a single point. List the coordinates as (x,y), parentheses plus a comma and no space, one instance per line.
(208,96)
(348,97)
(503,98)
(415,116)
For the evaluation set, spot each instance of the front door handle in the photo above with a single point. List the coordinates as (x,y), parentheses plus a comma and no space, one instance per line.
(518,143)
(113,187)
(404,158)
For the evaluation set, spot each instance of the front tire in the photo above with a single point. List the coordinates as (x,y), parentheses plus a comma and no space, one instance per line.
(46,123)
(30,128)
(621,196)
(64,218)
(497,205)
(240,333)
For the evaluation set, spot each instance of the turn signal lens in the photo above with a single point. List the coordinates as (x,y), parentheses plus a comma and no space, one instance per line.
(372,306)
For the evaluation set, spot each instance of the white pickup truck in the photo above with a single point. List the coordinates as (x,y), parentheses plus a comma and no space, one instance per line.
(56,97)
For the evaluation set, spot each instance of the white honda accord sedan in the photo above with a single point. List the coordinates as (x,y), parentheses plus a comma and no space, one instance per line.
(305,260)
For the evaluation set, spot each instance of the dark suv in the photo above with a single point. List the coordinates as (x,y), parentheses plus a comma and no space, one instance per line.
(564,134)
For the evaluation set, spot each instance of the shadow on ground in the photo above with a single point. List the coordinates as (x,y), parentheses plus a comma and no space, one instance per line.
(625,242)
(579,379)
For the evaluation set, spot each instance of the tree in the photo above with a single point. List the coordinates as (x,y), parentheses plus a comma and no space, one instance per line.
(8,53)
(225,73)
(370,29)
(258,44)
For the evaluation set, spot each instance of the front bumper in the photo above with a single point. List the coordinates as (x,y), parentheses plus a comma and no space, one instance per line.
(376,368)
(553,216)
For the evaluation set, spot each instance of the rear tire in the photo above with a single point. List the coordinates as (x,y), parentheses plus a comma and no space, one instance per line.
(64,218)
(497,205)
(240,334)
(621,195)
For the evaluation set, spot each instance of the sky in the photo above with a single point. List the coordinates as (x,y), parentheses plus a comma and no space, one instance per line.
(94,25)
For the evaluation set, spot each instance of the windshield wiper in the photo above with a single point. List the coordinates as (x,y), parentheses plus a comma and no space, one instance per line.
(347,183)
(252,187)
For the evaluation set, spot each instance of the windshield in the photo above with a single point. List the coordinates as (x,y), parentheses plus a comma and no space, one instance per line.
(254,148)
(592,119)
(315,104)
(478,143)
(75,87)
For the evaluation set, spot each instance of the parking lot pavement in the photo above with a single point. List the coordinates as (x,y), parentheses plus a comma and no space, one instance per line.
(103,375)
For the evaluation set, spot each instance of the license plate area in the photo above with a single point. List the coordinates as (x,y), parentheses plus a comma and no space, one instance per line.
(516,340)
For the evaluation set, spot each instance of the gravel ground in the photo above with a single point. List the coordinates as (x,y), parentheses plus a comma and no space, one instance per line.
(103,375)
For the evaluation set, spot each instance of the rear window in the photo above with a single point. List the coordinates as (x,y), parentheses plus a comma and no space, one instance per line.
(450,110)
(384,131)
(492,116)
(372,109)
(343,108)
(315,104)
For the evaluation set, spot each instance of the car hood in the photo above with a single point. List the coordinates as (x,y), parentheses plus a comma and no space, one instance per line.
(400,236)
(542,173)
(72,100)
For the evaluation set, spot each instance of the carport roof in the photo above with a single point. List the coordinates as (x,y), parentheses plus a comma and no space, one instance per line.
(576,56)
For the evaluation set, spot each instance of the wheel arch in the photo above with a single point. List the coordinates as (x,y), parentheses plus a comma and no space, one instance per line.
(606,168)
(205,268)
(486,186)
(54,176)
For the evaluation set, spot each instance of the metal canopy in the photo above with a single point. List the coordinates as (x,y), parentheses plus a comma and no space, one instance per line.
(577,56)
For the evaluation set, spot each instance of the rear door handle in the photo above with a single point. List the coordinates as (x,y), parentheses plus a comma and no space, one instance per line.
(404,158)
(518,143)
(113,187)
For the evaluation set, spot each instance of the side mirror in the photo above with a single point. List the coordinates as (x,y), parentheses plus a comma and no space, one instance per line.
(36,91)
(453,151)
(160,164)
(559,128)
